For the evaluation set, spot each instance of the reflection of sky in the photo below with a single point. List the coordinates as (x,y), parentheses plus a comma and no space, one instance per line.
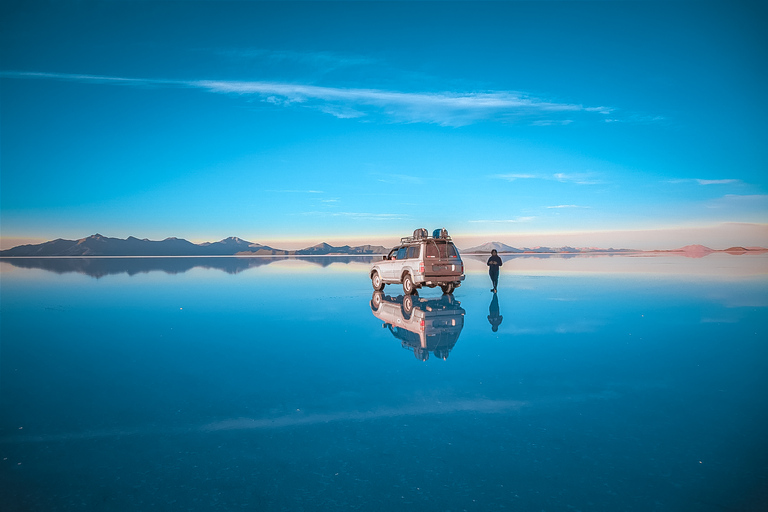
(281,373)
(675,266)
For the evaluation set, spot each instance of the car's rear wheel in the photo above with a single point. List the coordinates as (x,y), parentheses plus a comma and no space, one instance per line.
(408,287)
(376,281)
(376,300)
(447,288)
(407,307)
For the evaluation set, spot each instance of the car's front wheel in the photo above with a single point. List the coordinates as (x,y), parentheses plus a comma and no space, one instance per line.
(378,284)
(408,287)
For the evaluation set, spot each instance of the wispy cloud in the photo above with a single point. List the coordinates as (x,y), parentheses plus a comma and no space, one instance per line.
(399,179)
(728,181)
(504,221)
(577,178)
(296,191)
(552,122)
(359,215)
(718,182)
(513,177)
(751,202)
(567,206)
(445,108)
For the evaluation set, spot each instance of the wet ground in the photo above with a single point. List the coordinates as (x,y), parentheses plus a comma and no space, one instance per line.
(606,383)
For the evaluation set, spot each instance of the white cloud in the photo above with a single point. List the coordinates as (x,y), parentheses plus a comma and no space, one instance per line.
(753,202)
(567,206)
(577,178)
(728,181)
(718,182)
(295,191)
(360,215)
(513,177)
(504,221)
(445,108)
(550,122)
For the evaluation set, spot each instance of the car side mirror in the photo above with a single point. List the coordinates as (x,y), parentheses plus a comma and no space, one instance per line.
(383,257)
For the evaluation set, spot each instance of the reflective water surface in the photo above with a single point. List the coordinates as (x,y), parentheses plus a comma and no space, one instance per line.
(586,383)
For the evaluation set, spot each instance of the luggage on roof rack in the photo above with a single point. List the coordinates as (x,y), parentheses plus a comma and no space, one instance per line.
(423,234)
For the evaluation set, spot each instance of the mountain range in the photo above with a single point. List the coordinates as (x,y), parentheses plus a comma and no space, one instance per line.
(692,251)
(98,245)
(506,249)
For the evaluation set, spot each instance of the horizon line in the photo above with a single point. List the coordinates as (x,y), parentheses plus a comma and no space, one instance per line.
(581,248)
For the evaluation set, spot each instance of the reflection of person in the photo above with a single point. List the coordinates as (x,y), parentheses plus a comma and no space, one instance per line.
(493,313)
(494,262)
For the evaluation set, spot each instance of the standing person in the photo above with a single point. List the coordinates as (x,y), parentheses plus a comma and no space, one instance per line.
(494,262)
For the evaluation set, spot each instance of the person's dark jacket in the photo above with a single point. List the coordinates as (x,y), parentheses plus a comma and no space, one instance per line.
(494,262)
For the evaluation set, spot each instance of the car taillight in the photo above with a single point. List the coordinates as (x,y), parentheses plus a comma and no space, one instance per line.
(421,325)
(421,267)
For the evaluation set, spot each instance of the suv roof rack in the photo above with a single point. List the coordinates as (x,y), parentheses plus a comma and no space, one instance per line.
(423,234)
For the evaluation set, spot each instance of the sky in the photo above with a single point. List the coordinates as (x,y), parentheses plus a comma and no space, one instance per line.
(613,124)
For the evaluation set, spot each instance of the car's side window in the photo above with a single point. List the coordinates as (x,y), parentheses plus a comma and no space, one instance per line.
(413,251)
(391,255)
(401,253)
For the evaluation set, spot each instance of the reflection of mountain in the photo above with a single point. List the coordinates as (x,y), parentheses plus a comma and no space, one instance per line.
(98,245)
(421,325)
(325,261)
(100,267)
(507,257)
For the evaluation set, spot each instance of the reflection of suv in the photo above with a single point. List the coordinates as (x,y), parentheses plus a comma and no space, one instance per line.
(421,260)
(421,325)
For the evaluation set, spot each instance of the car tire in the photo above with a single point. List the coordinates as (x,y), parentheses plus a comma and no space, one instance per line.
(408,287)
(377,282)
(447,288)
(376,300)
(407,307)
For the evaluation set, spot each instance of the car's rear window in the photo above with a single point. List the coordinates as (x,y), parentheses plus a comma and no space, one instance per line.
(441,250)
(413,251)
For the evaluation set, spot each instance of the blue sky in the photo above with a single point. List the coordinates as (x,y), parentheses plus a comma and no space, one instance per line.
(629,124)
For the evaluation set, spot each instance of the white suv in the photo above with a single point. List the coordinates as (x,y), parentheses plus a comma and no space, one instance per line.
(420,260)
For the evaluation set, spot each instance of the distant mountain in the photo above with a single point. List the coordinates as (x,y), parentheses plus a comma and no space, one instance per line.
(98,245)
(695,251)
(700,251)
(324,248)
(506,249)
(489,246)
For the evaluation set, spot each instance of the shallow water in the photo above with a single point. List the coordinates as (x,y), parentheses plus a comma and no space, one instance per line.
(610,383)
